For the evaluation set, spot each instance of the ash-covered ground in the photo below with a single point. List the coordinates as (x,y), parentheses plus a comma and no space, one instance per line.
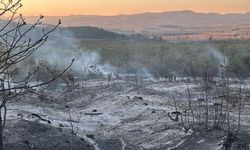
(117,115)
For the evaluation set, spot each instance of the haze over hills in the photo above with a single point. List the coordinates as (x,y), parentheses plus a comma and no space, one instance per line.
(156,23)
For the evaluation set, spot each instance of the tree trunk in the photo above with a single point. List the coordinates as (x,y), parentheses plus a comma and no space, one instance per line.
(239,107)
(1,140)
(1,131)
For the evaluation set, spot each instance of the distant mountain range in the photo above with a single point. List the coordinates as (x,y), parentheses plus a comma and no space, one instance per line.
(155,23)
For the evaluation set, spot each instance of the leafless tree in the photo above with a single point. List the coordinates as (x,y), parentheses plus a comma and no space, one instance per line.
(16,46)
(109,78)
(240,102)
(190,109)
(206,86)
(73,128)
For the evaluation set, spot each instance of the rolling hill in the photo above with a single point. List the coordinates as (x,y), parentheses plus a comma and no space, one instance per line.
(156,23)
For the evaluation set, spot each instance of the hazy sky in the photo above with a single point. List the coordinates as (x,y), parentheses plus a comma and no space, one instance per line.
(114,7)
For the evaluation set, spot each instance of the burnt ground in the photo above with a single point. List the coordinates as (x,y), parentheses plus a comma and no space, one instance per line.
(32,135)
(115,117)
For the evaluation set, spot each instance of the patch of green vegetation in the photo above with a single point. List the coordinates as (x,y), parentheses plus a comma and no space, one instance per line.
(94,33)
(184,58)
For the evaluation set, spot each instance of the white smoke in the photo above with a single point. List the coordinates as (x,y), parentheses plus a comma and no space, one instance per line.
(144,73)
(62,47)
(221,58)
